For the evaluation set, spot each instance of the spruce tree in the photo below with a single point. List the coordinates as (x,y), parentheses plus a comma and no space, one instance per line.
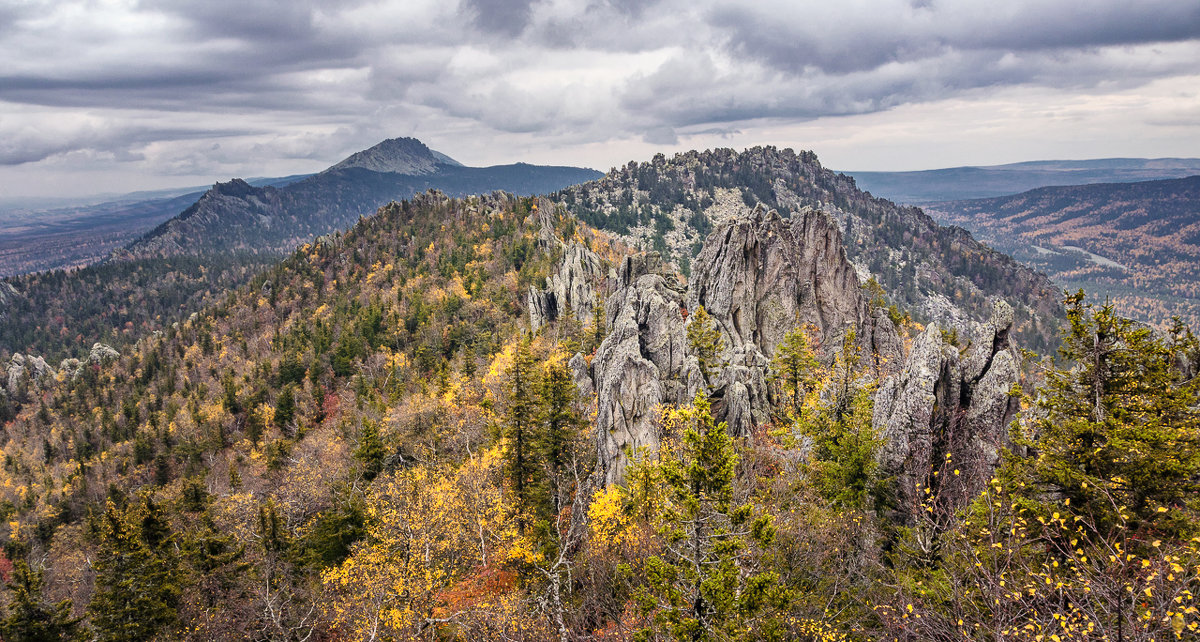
(285,408)
(1121,423)
(560,424)
(137,576)
(520,434)
(794,367)
(28,618)
(705,585)
(705,341)
(370,452)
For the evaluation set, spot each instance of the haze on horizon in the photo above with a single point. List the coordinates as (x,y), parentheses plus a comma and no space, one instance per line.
(122,95)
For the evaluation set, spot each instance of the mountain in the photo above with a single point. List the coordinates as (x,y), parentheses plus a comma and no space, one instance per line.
(961,183)
(482,418)
(1137,243)
(935,273)
(236,216)
(229,234)
(358,398)
(35,240)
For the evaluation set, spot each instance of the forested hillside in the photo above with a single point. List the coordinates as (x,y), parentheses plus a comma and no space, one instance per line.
(1137,243)
(227,236)
(370,441)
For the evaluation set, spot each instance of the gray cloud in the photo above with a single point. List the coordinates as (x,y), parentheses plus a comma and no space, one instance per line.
(506,17)
(155,84)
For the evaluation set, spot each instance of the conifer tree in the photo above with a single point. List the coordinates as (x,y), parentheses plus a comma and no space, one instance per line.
(794,366)
(705,341)
(137,576)
(560,424)
(370,452)
(285,408)
(28,618)
(705,586)
(520,434)
(598,329)
(1121,425)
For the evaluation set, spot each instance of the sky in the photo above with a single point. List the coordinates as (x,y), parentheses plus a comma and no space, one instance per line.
(111,96)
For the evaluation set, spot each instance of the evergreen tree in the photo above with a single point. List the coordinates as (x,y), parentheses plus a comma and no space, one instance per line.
(794,366)
(370,452)
(598,329)
(1121,426)
(285,408)
(705,341)
(560,424)
(705,585)
(137,576)
(520,434)
(28,618)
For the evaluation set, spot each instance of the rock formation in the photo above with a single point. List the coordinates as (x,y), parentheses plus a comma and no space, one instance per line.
(25,373)
(760,276)
(643,363)
(947,401)
(571,288)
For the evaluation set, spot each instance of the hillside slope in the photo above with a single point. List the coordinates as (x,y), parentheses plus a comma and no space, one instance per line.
(1138,243)
(226,237)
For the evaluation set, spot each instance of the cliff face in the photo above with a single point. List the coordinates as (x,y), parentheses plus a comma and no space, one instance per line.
(760,276)
(642,364)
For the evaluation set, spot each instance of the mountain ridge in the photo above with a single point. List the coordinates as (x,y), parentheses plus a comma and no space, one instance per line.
(988,181)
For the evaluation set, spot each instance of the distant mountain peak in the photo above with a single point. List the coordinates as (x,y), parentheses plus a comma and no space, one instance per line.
(397,156)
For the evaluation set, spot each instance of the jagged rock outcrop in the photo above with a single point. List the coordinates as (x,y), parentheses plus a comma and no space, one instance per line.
(946,401)
(572,288)
(643,363)
(25,372)
(101,354)
(760,276)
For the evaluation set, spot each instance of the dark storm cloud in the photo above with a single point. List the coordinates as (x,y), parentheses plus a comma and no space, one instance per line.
(505,17)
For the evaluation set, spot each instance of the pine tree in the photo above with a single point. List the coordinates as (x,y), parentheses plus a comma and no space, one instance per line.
(794,366)
(137,576)
(705,341)
(705,585)
(29,619)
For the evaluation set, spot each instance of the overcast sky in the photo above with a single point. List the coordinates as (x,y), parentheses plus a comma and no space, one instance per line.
(116,95)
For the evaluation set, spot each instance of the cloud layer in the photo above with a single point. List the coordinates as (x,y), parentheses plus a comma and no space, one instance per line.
(200,88)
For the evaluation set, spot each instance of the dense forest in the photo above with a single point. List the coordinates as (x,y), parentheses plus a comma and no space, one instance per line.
(368,442)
